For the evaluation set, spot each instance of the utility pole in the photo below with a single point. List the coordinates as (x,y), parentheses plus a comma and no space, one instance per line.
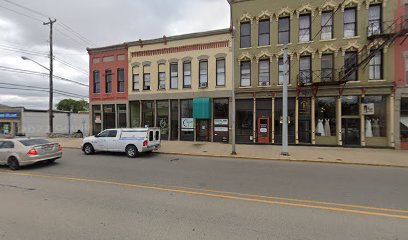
(285,103)
(233,150)
(50,107)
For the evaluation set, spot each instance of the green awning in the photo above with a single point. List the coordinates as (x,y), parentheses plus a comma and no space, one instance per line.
(201,108)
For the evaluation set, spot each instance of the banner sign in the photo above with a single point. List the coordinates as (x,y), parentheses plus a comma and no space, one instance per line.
(187,124)
(220,121)
(8,115)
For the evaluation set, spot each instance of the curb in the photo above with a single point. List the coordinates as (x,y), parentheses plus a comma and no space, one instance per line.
(275,159)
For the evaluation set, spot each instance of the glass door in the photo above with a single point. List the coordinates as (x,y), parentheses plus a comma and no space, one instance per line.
(351,131)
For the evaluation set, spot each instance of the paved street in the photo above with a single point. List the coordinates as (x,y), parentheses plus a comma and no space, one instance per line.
(159,196)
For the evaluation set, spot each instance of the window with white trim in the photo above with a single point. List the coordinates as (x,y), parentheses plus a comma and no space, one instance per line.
(327,25)
(162,76)
(350,22)
(264,32)
(263,72)
(187,74)
(203,67)
(375,70)
(220,71)
(281,69)
(245,74)
(304,28)
(174,75)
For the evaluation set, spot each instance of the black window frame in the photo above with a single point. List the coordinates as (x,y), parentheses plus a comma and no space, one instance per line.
(327,25)
(220,73)
(96,82)
(187,75)
(108,81)
(173,77)
(347,23)
(159,77)
(308,28)
(133,82)
(268,72)
(348,64)
(375,66)
(146,87)
(241,75)
(325,76)
(305,74)
(201,75)
(283,31)
(120,80)
(266,33)
(245,36)
(372,22)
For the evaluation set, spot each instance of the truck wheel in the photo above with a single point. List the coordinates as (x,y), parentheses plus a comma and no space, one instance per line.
(13,164)
(88,149)
(131,151)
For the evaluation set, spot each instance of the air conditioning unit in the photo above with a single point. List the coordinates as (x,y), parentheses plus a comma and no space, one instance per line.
(203,85)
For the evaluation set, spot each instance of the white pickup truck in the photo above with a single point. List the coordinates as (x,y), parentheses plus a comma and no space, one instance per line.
(129,140)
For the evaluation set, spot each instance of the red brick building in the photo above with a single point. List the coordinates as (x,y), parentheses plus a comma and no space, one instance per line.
(401,78)
(108,87)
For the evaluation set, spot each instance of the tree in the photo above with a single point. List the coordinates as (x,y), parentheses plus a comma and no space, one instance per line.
(73,105)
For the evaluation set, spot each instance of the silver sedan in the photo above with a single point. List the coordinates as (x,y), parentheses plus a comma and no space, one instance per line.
(24,151)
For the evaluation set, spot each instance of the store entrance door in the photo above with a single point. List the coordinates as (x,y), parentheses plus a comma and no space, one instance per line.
(351,131)
(203,130)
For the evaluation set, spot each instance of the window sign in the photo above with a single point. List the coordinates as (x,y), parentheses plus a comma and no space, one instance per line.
(220,121)
(187,124)
(8,115)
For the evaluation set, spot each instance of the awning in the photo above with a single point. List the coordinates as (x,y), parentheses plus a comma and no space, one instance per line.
(201,108)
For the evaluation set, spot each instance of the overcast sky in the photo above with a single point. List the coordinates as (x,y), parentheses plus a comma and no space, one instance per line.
(81,24)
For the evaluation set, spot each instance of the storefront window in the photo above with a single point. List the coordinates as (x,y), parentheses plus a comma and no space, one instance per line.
(221,120)
(5,128)
(404,120)
(96,119)
(375,119)
(305,120)
(187,122)
(147,114)
(325,116)
(291,120)
(109,116)
(244,120)
(174,120)
(350,106)
(163,119)
(121,115)
(134,114)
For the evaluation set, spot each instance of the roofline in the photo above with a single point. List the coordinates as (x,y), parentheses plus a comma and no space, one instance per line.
(121,46)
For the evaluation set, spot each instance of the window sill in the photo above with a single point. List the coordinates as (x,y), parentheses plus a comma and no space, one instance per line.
(245,48)
(348,38)
(135,90)
(264,46)
(279,85)
(246,87)
(307,42)
(266,86)
(173,89)
(353,82)
(161,89)
(282,44)
(376,80)
(146,90)
(327,40)
(220,86)
(120,92)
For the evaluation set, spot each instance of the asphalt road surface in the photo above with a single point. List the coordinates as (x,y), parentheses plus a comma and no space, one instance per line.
(158,196)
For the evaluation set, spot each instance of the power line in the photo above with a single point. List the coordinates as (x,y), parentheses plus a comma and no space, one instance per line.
(71,66)
(77,34)
(68,36)
(23,71)
(27,8)
(22,14)
(43,88)
(36,90)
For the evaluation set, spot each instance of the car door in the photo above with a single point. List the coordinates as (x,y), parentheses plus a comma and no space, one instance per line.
(111,141)
(5,150)
(99,142)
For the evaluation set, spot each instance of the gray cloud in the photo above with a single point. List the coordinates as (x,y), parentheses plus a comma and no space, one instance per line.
(103,22)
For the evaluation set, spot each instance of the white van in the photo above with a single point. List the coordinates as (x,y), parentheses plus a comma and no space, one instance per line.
(129,140)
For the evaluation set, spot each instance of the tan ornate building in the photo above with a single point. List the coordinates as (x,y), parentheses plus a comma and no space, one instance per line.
(183,85)
(341,77)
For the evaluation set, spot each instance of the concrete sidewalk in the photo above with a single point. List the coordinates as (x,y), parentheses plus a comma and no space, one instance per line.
(361,156)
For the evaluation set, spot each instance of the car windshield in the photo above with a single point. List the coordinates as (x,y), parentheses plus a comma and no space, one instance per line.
(32,142)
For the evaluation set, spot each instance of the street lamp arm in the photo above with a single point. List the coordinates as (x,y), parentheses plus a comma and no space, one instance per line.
(29,59)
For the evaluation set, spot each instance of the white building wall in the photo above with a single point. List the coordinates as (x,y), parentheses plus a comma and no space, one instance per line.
(35,124)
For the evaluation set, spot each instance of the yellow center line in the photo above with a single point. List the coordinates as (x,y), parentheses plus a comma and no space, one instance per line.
(192,192)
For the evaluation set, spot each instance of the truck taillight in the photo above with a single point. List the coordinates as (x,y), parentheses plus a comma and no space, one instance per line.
(145,142)
(32,152)
(59,148)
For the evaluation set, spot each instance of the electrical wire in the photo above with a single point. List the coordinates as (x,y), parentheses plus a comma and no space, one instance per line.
(71,66)
(43,88)
(36,90)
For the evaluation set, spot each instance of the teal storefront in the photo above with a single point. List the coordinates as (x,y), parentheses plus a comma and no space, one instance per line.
(202,114)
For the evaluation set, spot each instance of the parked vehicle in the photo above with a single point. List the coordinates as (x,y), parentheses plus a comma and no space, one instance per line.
(19,152)
(132,141)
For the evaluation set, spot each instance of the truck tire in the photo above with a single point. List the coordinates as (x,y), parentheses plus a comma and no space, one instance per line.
(88,149)
(13,164)
(131,151)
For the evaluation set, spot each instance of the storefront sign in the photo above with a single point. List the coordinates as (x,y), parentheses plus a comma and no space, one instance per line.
(187,124)
(220,129)
(368,109)
(8,115)
(220,121)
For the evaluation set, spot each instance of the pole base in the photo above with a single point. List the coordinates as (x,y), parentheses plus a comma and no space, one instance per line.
(233,153)
(285,154)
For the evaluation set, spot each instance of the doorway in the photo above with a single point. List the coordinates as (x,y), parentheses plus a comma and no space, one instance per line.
(203,130)
(351,131)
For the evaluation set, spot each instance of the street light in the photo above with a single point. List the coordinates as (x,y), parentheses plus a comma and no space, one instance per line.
(233,150)
(50,110)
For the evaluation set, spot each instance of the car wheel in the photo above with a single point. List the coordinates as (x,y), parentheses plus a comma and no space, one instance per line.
(51,161)
(131,151)
(88,149)
(13,164)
